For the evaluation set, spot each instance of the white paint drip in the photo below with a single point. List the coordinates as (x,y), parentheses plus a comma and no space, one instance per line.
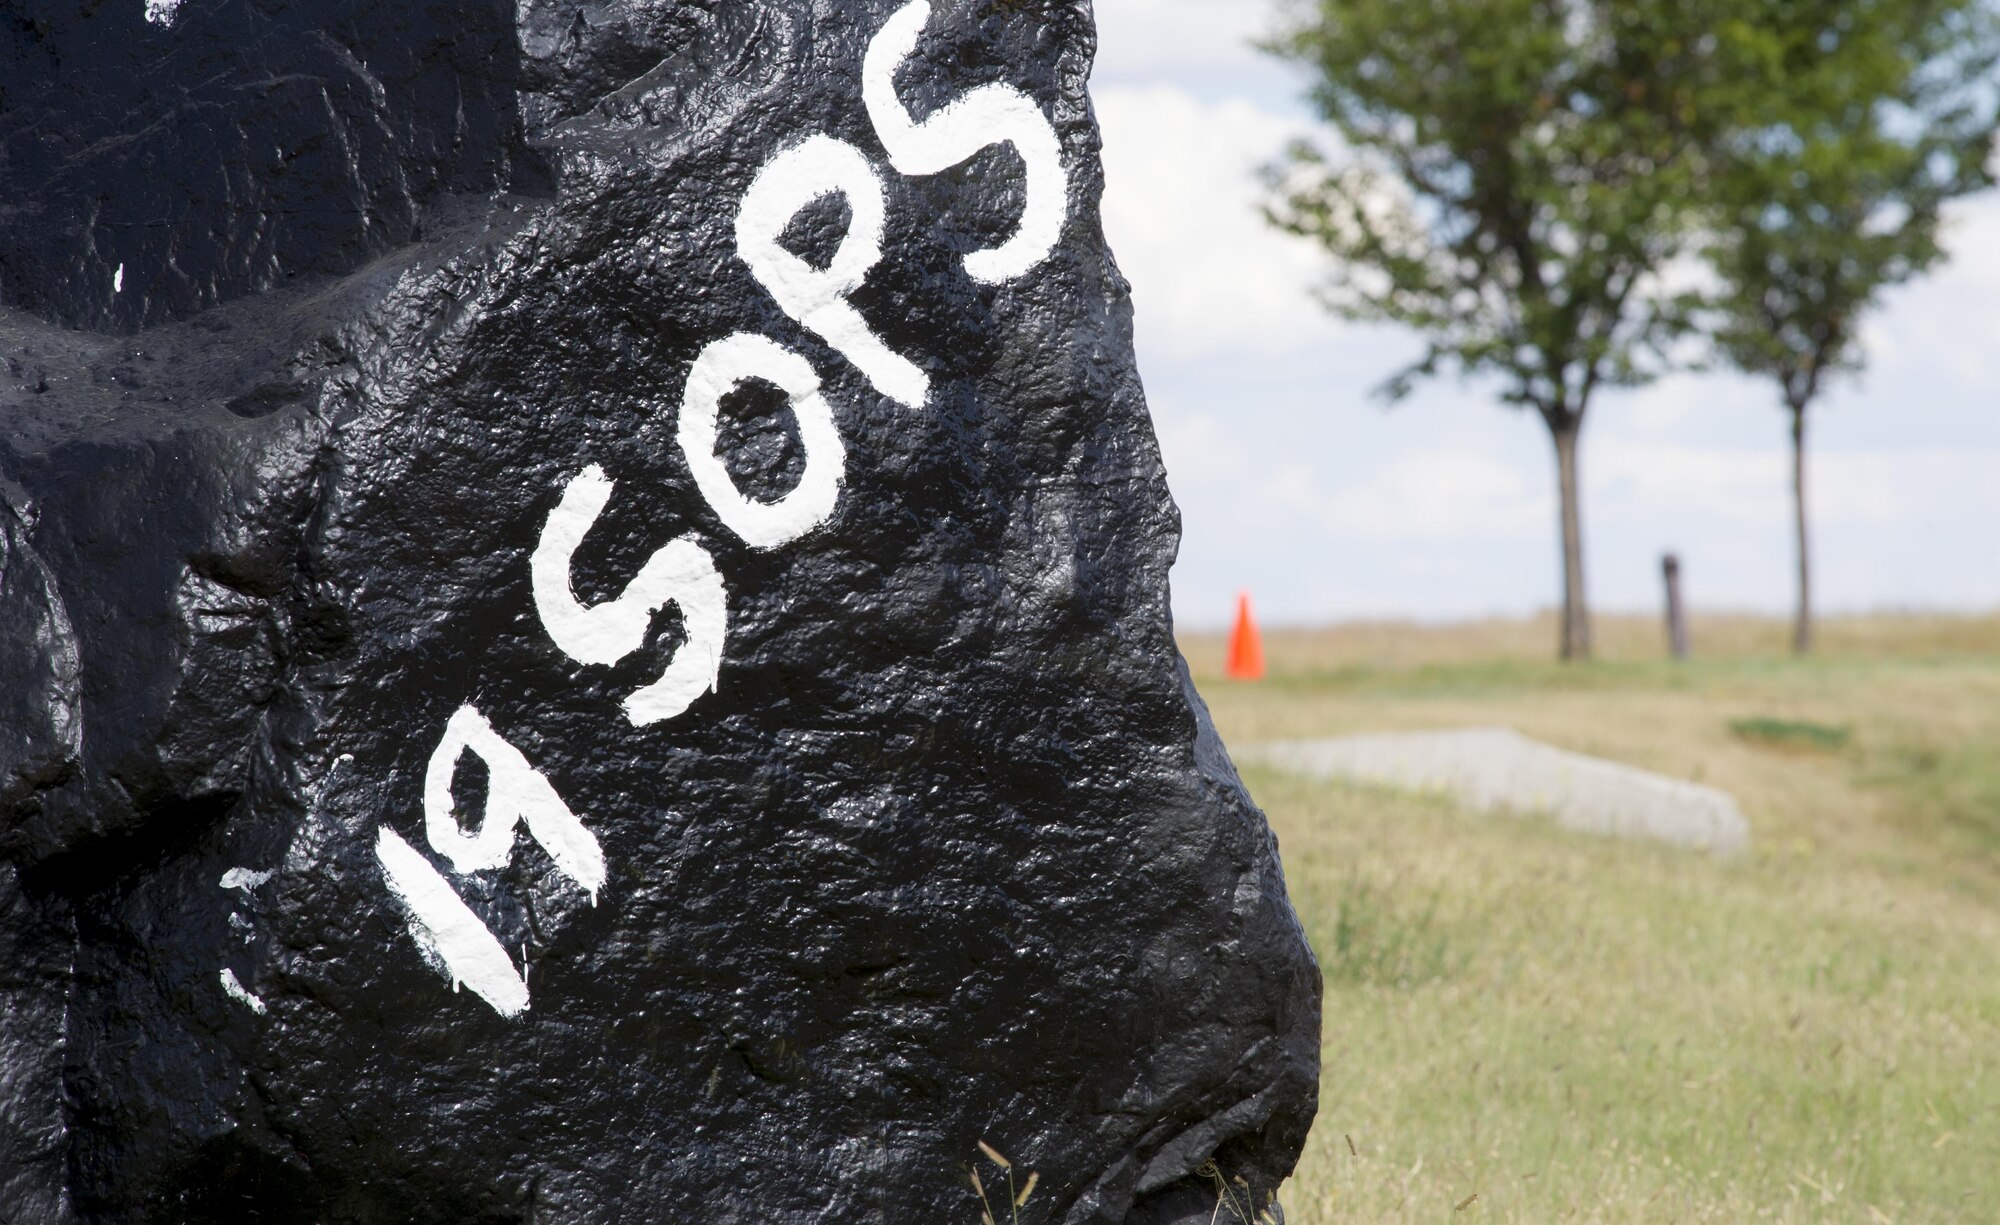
(720,368)
(985,116)
(681,573)
(244,879)
(821,166)
(326,780)
(118,280)
(446,929)
(162,12)
(515,793)
(236,991)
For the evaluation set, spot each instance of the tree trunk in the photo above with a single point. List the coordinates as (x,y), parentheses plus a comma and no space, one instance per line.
(1575,611)
(1802,625)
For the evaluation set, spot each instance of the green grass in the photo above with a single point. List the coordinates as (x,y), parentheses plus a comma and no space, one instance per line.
(1368,935)
(1791,734)
(1575,1028)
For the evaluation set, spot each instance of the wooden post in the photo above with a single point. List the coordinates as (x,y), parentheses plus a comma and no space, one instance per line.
(1677,629)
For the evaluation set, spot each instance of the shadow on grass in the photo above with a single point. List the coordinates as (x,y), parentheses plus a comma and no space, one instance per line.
(1954,789)
(1370,936)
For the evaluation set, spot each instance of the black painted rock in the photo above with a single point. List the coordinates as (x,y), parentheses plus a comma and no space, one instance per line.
(583,632)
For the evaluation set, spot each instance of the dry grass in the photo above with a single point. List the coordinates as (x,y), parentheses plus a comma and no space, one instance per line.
(1578,1029)
(1619,638)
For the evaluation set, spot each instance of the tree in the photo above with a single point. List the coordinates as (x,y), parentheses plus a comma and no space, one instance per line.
(1515,177)
(1879,112)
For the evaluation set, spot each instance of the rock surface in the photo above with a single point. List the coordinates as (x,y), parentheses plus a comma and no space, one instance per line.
(1497,769)
(583,632)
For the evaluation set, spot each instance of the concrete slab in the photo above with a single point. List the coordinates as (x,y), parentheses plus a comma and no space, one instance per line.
(1497,769)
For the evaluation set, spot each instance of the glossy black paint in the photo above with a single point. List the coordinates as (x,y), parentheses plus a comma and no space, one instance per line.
(953,852)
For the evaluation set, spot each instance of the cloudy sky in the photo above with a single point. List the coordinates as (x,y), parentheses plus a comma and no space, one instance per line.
(1299,485)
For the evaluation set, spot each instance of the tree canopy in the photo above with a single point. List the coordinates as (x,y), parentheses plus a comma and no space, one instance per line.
(1876,114)
(1515,174)
(1524,183)
(1514,180)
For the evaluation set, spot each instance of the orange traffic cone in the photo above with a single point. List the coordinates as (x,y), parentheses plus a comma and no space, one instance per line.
(1246,648)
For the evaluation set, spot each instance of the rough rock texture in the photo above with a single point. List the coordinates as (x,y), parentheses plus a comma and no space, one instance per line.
(323,325)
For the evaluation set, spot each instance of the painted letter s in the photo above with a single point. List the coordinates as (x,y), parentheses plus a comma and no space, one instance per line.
(681,573)
(985,116)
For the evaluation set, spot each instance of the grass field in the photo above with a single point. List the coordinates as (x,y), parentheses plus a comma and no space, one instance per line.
(1571,1028)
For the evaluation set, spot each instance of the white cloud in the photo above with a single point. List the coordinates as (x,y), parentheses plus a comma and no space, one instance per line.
(1972,239)
(1901,488)
(1745,485)
(1842,487)
(1441,494)
(1181,195)
(1183,40)
(1944,328)
(1197,448)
